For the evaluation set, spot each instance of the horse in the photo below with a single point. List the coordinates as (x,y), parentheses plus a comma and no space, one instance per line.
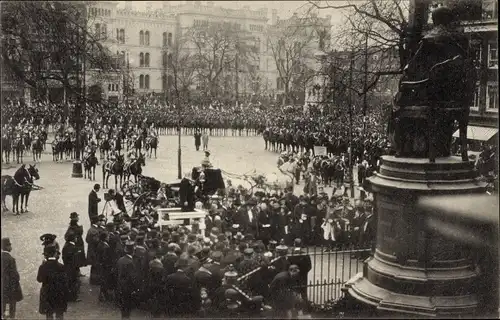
(89,164)
(18,149)
(151,143)
(138,145)
(27,141)
(134,168)
(57,150)
(43,138)
(104,148)
(68,147)
(37,148)
(19,186)
(6,148)
(113,168)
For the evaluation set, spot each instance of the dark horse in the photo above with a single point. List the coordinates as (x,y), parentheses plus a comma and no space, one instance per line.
(138,145)
(151,143)
(104,148)
(134,168)
(19,185)
(112,168)
(89,164)
(6,148)
(37,148)
(57,150)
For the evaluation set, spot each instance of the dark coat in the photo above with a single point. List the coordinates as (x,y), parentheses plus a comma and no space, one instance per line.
(281,290)
(303,261)
(80,259)
(120,203)
(93,204)
(126,272)
(183,295)
(92,240)
(197,139)
(54,290)
(11,288)
(186,194)
(168,262)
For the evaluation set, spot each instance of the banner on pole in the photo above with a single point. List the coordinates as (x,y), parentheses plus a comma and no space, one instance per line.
(319,151)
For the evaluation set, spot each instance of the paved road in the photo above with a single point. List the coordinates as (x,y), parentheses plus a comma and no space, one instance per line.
(50,209)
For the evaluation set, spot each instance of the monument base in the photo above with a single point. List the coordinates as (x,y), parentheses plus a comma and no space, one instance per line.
(77,169)
(415,271)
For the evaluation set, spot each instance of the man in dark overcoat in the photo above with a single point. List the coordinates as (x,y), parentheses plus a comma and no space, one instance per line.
(126,284)
(70,260)
(300,258)
(54,290)
(186,194)
(94,202)
(11,287)
(105,264)
(92,240)
(183,295)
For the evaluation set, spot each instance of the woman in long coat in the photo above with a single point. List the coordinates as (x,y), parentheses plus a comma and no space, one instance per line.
(79,244)
(54,290)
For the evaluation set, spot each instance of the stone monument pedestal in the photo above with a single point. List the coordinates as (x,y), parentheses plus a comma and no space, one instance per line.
(415,271)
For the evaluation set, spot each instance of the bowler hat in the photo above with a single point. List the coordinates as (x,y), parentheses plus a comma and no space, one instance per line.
(48,237)
(6,242)
(73,216)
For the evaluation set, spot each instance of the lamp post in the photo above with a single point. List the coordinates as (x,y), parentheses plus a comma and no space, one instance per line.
(77,171)
(179,151)
(351,176)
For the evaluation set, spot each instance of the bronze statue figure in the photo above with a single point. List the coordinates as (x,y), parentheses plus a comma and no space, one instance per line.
(437,88)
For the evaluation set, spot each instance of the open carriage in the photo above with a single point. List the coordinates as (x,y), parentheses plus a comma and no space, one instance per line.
(213,180)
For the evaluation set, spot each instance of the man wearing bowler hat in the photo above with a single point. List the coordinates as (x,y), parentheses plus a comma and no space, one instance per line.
(11,287)
(126,284)
(94,201)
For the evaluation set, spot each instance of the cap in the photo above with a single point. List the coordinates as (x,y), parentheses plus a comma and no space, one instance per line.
(216,256)
(248,252)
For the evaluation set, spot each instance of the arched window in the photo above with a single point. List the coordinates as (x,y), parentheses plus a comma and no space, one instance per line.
(169,38)
(169,58)
(164,60)
(97,29)
(141,59)
(104,30)
(122,35)
(146,38)
(141,81)
(164,38)
(146,81)
(141,37)
(146,59)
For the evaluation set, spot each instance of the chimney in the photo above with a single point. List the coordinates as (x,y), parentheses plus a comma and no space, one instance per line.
(274,19)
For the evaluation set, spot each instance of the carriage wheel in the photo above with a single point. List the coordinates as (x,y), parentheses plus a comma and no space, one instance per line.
(141,202)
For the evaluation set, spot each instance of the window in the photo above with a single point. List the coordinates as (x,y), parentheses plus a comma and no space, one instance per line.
(97,29)
(122,36)
(169,58)
(492,97)
(141,81)
(141,37)
(146,81)
(490,9)
(109,87)
(477,93)
(163,82)
(478,51)
(104,31)
(141,59)
(146,38)
(170,38)
(493,55)
(164,39)
(146,60)
(164,60)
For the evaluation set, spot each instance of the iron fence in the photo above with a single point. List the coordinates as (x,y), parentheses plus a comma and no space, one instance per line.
(330,270)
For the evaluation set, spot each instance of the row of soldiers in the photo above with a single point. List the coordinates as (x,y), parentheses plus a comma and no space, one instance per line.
(177,271)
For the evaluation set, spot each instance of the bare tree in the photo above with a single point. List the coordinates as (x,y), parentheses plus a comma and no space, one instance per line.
(218,49)
(181,64)
(292,45)
(53,45)
(384,22)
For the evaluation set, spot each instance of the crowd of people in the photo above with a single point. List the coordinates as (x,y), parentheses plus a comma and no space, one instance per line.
(248,256)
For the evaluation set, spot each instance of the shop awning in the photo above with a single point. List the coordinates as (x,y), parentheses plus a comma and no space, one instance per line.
(478,133)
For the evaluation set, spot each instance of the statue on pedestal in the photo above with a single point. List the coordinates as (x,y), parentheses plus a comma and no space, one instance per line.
(437,88)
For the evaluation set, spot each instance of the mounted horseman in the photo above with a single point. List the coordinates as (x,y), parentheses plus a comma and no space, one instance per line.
(90,160)
(114,166)
(18,147)
(6,146)
(133,166)
(19,186)
(151,143)
(37,148)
